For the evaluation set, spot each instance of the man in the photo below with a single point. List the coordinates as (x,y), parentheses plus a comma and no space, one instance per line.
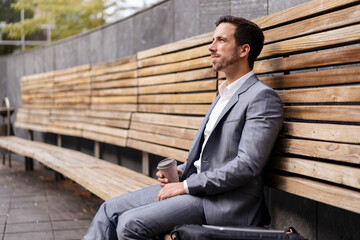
(221,182)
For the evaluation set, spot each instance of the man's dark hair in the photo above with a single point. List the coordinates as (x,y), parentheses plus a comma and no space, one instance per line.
(246,32)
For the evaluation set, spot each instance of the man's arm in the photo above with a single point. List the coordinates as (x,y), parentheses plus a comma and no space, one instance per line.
(263,123)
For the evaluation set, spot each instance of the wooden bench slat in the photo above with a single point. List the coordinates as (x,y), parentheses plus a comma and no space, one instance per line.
(179,155)
(71,77)
(318,78)
(321,192)
(176,67)
(349,93)
(112,69)
(196,109)
(109,114)
(30,126)
(175,57)
(206,85)
(114,84)
(331,20)
(100,137)
(343,175)
(206,73)
(116,62)
(207,97)
(114,99)
(115,107)
(164,130)
(114,76)
(76,69)
(72,94)
(168,120)
(315,41)
(323,113)
(347,153)
(114,91)
(323,131)
(160,139)
(300,11)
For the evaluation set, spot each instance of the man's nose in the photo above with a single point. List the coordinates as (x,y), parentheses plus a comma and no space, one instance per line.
(212,47)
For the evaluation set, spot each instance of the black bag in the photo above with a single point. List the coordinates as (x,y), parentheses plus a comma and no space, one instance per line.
(208,232)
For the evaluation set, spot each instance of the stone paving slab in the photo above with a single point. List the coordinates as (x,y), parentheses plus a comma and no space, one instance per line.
(33,205)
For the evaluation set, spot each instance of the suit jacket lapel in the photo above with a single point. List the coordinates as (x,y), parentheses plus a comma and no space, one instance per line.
(246,85)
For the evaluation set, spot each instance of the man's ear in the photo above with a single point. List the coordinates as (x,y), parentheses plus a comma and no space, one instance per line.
(244,50)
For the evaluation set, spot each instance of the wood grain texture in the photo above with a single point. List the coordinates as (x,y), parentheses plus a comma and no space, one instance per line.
(323,131)
(346,153)
(300,11)
(187,109)
(321,192)
(205,85)
(343,175)
(104,179)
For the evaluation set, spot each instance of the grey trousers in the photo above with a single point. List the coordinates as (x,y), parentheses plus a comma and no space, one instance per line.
(138,215)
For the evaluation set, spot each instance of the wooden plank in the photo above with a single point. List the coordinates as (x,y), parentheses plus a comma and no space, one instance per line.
(114,92)
(79,99)
(206,85)
(322,131)
(118,141)
(114,76)
(160,139)
(310,60)
(30,126)
(72,77)
(114,63)
(343,113)
(164,130)
(45,112)
(168,120)
(81,68)
(301,11)
(114,99)
(176,46)
(191,109)
(115,107)
(326,193)
(176,67)
(347,153)
(109,114)
(335,37)
(179,155)
(76,81)
(35,95)
(193,98)
(343,175)
(323,22)
(319,78)
(115,84)
(113,69)
(178,77)
(340,94)
(86,92)
(175,57)
(117,132)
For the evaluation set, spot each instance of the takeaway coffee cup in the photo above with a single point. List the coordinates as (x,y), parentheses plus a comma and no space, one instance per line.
(168,167)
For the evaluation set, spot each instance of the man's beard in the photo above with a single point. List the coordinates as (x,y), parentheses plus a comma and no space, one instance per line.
(225,62)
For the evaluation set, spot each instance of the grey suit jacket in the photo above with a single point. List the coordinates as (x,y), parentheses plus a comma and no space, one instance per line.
(235,155)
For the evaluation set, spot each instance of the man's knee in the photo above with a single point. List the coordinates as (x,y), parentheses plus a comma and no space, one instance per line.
(130,225)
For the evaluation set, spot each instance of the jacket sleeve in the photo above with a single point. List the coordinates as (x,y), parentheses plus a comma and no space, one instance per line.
(264,116)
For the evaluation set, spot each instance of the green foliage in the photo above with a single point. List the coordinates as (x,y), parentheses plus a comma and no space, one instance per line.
(69,17)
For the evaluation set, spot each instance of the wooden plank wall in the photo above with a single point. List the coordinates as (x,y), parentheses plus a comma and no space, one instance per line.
(176,88)
(308,62)
(311,58)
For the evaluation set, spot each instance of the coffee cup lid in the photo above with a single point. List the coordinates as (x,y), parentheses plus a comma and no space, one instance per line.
(166,163)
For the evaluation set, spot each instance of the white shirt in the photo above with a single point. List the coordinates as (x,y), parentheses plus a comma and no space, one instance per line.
(226,92)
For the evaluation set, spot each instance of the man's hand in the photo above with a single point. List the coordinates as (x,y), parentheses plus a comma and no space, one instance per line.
(171,190)
(161,178)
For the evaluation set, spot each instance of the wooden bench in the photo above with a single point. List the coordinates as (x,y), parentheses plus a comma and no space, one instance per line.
(310,57)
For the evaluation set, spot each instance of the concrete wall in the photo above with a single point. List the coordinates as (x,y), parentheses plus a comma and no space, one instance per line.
(166,22)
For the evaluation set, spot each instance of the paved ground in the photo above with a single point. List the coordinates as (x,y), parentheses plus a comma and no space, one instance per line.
(34,206)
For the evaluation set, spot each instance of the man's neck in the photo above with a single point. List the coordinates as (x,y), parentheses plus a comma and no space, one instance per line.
(232,76)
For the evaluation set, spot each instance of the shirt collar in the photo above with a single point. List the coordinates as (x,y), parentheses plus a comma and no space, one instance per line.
(229,90)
